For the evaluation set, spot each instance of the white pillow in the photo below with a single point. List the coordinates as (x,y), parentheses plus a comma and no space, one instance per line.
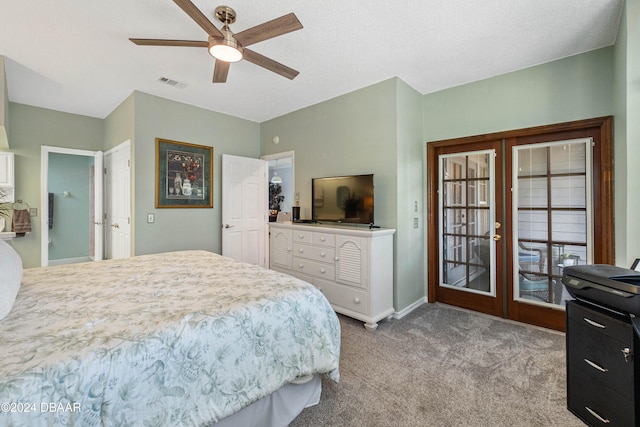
(10,277)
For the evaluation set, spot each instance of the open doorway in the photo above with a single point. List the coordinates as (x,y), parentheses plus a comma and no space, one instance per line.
(71,200)
(281,182)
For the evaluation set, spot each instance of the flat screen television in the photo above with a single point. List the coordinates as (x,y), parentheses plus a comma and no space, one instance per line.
(347,199)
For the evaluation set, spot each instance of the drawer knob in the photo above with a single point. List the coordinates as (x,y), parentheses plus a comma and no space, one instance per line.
(322,239)
(627,354)
(356,300)
(301,250)
(300,266)
(322,270)
(301,236)
(322,254)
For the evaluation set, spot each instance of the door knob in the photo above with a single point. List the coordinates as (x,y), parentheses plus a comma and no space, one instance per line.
(228,226)
(497,237)
(498,225)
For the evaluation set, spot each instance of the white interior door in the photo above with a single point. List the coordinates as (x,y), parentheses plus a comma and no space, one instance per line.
(244,209)
(118,201)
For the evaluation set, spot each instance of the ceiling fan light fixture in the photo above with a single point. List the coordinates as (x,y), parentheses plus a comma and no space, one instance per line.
(227,49)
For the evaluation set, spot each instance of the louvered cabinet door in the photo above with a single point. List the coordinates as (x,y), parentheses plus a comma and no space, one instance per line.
(280,251)
(351,260)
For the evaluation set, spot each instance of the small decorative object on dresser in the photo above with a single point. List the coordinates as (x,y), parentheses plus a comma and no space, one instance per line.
(352,266)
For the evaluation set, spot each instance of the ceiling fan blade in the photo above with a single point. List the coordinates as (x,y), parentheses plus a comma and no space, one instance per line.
(220,71)
(160,42)
(199,17)
(277,27)
(269,64)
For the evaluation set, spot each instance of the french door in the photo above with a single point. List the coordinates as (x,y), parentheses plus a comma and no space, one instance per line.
(470,222)
(507,212)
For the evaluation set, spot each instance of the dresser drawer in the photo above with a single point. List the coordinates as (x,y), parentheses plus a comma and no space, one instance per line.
(601,321)
(314,252)
(344,296)
(313,268)
(597,405)
(302,236)
(601,357)
(324,239)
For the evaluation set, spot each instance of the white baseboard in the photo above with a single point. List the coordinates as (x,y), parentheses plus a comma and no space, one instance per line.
(401,314)
(68,260)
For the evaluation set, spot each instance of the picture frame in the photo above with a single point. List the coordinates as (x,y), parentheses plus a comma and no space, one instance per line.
(184,175)
(636,265)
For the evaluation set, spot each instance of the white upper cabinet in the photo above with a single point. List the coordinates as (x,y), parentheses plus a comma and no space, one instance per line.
(6,177)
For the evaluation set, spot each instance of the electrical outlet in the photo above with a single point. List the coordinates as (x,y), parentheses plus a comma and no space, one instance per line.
(151,218)
(33,211)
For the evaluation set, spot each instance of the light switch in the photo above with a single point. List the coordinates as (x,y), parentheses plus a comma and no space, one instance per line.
(415,222)
(151,218)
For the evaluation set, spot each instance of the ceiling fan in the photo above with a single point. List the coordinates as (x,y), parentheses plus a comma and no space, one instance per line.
(227,47)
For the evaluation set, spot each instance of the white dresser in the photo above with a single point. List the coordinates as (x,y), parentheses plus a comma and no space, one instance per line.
(352,266)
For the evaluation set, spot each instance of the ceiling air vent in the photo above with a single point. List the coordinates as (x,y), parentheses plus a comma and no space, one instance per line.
(174,83)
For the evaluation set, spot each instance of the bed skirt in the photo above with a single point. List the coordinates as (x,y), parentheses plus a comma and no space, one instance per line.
(278,409)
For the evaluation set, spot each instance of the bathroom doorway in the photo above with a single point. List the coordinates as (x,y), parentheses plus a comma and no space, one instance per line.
(71,203)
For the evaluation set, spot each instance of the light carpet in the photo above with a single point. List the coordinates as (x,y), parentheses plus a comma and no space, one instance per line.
(445,366)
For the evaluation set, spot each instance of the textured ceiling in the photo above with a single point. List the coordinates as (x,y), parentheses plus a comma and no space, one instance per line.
(75,56)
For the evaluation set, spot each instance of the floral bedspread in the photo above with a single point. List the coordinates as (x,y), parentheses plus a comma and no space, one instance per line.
(179,338)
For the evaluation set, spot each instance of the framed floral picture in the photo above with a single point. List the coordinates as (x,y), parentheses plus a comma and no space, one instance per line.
(184,175)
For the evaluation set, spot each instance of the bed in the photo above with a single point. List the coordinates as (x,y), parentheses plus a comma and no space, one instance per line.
(182,338)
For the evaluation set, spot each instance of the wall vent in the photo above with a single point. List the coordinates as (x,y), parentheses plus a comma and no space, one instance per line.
(173,83)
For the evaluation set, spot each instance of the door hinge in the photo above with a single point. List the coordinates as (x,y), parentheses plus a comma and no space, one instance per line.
(128,220)
(105,171)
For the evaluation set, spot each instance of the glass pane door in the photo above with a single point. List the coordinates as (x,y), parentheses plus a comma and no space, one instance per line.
(467,220)
(552,210)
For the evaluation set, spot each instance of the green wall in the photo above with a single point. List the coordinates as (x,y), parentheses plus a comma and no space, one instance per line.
(352,134)
(119,126)
(628,177)
(578,87)
(410,243)
(32,127)
(193,228)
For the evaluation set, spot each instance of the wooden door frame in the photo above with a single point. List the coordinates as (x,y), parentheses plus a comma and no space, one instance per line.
(601,128)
